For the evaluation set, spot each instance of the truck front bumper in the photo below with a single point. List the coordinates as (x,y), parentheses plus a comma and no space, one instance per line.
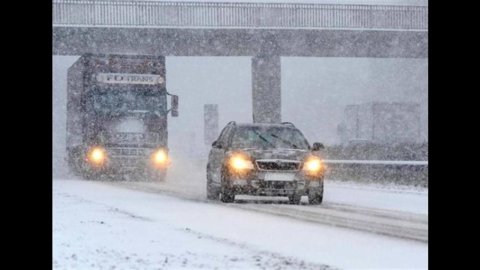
(128,161)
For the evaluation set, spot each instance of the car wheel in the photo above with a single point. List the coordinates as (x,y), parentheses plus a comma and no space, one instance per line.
(212,192)
(316,198)
(295,199)
(227,194)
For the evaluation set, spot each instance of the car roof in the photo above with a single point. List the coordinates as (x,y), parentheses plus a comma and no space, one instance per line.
(264,125)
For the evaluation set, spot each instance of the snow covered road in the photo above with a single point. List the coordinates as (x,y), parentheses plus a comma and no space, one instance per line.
(186,178)
(392,222)
(100,226)
(93,230)
(389,210)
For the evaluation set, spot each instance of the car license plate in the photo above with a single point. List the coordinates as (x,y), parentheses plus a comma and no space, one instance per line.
(279,177)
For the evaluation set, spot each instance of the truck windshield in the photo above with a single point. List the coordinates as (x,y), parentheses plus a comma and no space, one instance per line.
(114,101)
(264,138)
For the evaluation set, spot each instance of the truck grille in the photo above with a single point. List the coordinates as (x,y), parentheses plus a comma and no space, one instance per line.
(126,163)
(128,151)
(278,165)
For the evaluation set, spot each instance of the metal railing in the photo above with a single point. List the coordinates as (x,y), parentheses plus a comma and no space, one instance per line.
(380,162)
(404,172)
(237,15)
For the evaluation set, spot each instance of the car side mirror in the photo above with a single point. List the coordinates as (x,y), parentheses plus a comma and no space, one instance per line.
(317,146)
(216,144)
(174,102)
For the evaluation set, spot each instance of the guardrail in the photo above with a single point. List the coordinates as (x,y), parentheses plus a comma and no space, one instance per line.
(237,15)
(379,162)
(414,173)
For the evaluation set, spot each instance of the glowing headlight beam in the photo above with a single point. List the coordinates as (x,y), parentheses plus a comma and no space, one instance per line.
(97,155)
(160,157)
(313,165)
(238,162)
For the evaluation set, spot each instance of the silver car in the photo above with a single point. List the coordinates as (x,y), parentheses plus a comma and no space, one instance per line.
(264,159)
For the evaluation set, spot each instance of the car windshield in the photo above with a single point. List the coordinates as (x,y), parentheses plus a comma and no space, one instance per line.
(268,137)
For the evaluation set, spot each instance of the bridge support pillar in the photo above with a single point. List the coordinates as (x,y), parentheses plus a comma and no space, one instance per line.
(266,89)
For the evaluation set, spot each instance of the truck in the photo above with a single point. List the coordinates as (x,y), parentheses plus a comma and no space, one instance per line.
(117,116)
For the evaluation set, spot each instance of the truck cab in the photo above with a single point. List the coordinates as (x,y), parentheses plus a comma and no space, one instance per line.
(117,116)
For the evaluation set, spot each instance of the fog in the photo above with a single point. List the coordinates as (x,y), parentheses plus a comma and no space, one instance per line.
(315,92)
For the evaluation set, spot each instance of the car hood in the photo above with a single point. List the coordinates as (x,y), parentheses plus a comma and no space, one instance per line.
(289,154)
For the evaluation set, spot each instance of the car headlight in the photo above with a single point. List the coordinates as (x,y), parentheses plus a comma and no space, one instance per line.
(313,165)
(239,162)
(97,155)
(160,157)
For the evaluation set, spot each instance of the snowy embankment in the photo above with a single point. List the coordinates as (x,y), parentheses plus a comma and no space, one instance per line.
(100,226)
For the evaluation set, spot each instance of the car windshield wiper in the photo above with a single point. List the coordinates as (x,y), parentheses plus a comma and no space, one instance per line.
(263,138)
(284,141)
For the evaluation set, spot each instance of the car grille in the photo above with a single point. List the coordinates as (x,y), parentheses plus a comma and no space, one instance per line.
(278,165)
(277,185)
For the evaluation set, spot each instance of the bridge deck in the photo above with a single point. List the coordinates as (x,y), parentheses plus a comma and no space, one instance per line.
(153,14)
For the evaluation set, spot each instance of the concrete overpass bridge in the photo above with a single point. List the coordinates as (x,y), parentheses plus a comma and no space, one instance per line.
(263,31)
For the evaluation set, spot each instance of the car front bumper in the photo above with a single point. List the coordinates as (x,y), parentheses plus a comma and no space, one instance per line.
(256,184)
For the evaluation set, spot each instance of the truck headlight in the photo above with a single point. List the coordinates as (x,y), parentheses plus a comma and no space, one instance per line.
(239,162)
(160,157)
(97,155)
(313,166)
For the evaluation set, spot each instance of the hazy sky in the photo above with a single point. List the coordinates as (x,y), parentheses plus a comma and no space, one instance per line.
(315,92)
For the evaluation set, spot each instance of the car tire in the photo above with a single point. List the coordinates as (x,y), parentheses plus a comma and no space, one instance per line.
(226,194)
(316,198)
(295,199)
(212,192)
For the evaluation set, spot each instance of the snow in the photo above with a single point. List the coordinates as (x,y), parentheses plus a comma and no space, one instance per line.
(130,125)
(158,225)
(312,88)
(89,234)
(364,195)
(347,2)
(101,226)
(186,178)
